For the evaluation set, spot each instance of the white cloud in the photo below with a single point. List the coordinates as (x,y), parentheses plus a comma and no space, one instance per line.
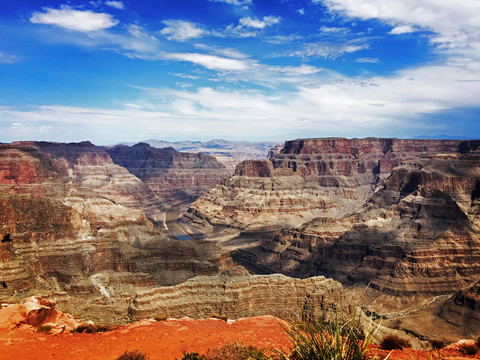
(456,23)
(259,24)
(116,4)
(327,50)
(327,29)
(248,27)
(234,2)
(368,60)
(405,29)
(301,11)
(210,61)
(139,32)
(8,58)
(182,30)
(68,18)
(297,70)
(338,106)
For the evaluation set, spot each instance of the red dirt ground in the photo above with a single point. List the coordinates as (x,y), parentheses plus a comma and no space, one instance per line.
(165,340)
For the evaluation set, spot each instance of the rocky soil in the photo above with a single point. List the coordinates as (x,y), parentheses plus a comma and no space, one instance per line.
(21,337)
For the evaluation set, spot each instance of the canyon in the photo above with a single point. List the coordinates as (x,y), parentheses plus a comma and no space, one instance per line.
(390,224)
(395,219)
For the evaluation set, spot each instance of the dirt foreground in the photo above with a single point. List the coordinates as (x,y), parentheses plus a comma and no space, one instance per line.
(162,340)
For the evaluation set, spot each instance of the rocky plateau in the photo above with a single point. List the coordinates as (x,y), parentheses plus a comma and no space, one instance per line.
(401,216)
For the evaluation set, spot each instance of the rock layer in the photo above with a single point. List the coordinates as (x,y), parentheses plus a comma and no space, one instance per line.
(236,294)
(402,215)
(170,174)
(81,230)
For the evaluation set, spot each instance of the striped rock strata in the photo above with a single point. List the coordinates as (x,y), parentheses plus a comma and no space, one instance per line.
(402,215)
(236,294)
(81,230)
(170,174)
(309,178)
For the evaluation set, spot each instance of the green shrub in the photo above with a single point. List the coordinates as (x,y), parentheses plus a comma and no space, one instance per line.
(94,328)
(44,328)
(133,355)
(335,339)
(394,342)
(192,356)
(235,351)
(468,349)
(438,344)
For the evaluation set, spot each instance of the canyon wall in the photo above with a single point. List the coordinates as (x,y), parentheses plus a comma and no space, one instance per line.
(80,229)
(401,215)
(236,294)
(171,175)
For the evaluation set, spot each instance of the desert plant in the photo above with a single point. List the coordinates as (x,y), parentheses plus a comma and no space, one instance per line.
(192,356)
(394,342)
(468,349)
(133,355)
(44,328)
(438,344)
(331,340)
(94,328)
(235,351)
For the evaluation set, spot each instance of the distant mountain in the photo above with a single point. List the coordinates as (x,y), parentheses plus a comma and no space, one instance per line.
(444,137)
(228,153)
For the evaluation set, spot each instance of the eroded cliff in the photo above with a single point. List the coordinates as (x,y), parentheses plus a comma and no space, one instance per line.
(402,215)
(171,175)
(236,294)
(80,229)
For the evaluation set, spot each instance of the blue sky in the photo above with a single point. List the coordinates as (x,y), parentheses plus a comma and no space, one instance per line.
(113,71)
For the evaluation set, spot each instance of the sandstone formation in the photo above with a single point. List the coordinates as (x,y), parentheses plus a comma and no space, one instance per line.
(309,178)
(236,294)
(402,215)
(170,174)
(84,231)
(34,312)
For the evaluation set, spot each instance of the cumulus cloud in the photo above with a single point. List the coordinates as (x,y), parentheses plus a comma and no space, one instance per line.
(405,29)
(456,23)
(248,27)
(68,18)
(116,4)
(259,24)
(182,30)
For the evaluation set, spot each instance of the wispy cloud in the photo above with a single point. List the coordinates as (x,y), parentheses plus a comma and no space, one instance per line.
(68,18)
(211,62)
(8,58)
(182,30)
(115,4)
(379,106)
(234,2)
(326,50)
(368,60)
